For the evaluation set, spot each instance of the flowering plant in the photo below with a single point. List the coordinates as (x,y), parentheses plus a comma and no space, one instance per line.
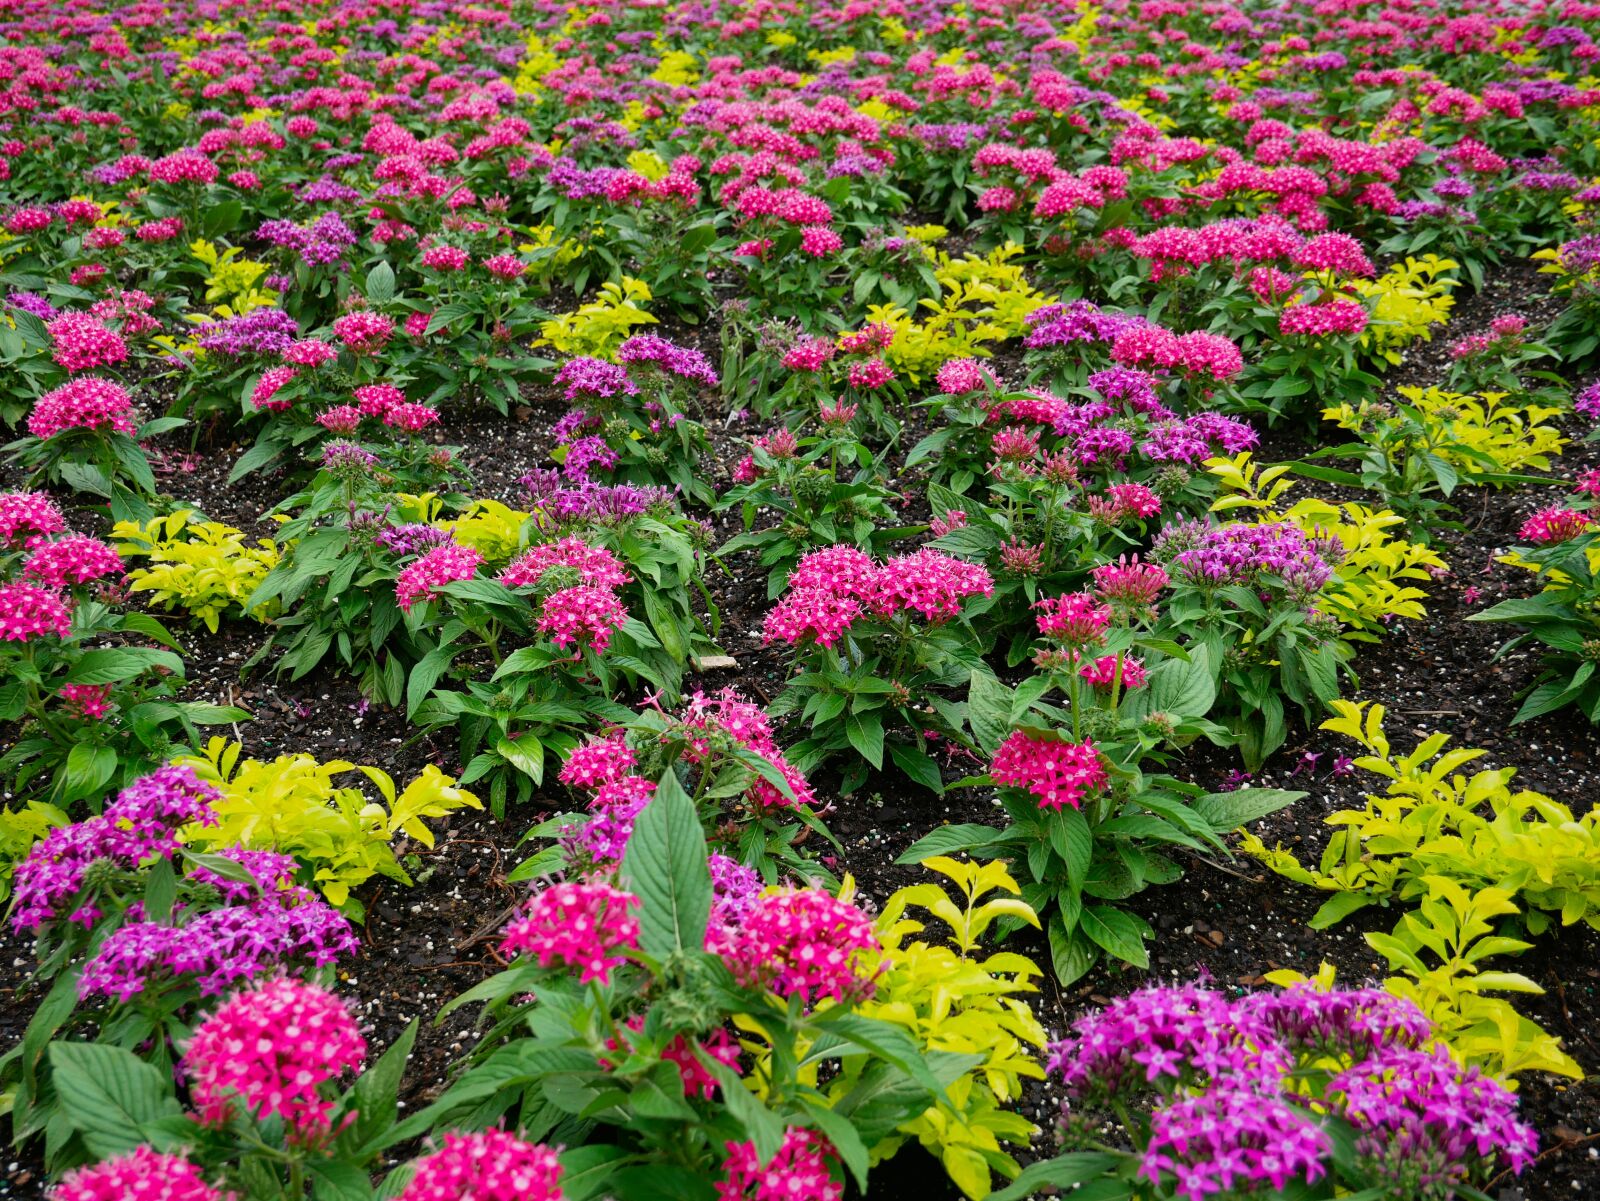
(872,640)
(1323,1093)
(626,983)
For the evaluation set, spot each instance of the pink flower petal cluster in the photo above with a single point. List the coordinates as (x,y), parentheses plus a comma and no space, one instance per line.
(582,615)
(440,566)
(27,517)
(595,565)
(83,342)
(1077,619)
(804,943)
(28,612)
(490,1165)
(270,1049)
(798,1172)
(86,403)
(76,559)
(1057,772)
(580,924)
(1549,526)
(1102,672)
(143,1174)
(598,761)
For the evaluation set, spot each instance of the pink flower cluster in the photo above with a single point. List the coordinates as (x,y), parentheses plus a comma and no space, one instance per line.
(26,518)
(578,924)
(76,559)
(830,589)
(1077,620)
(143,1174)
(1549,526)
(271,1048)
(595,565)
(442,565)
(83,342)
(28,612)
(582,615)
(804,943)
(490,1165)
(88,403)
(1056,771)
(798,1172)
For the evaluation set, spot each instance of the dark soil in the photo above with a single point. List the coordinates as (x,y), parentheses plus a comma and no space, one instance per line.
(1226,920)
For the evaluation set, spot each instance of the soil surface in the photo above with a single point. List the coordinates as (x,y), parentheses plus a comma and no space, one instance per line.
(1226,920)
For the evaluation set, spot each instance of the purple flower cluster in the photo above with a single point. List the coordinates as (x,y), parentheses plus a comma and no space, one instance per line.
(1226,1076)
(323,243)
(136,829)
(273,924)
(1218,556)
(413,538)
(259,332)
(594,379)
(1078,321)
(681,361)
(608,504)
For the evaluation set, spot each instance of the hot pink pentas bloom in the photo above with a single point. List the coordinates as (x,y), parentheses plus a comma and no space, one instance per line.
(577,924)
(1057,772)
(87,403)
(28,612)
(1078,620)
(805,943)
(490,1165)
(1104,673)
(798,1172)
(1555,524)
(269,1050)
(582,616)
(26,518)
(442,565)
(83,342)
(595,565)
(143,1174)
(597,762)
(73,560)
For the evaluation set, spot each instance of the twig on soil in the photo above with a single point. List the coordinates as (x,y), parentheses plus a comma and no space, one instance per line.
(488,929)
(1560,1148)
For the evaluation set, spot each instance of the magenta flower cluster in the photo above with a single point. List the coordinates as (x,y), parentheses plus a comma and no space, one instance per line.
(489,1165)
(583,925)
(804,943)
(270,1050)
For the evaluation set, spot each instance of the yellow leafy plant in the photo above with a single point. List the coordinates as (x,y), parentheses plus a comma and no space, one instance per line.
(600,326)
(231,279)
(203,567)
(491,528)
(294,805)
(1376,579)
(19,830)
(1405,303)
(1435,821)
(955,1002)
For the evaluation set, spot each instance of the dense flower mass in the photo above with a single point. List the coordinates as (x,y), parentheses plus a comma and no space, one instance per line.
(800,1169)
(420,581)
(804,943)
(270,1050)
(88,403)
(143,1174)
(491,1165)
(1057,772)
(581,925)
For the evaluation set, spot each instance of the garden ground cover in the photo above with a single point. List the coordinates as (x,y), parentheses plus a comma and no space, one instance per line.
(881,279)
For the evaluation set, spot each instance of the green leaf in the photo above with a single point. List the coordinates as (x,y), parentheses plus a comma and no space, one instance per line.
(374,1097)
(1062,1174)
(865,732)
(665,866)
(1230,810)
(988,710)
(109,1094)
(87,771)
(1071,838)
(950,839)
(221,218)
(1072,954)
(917,766)
(1338,907)
(114,664)
(1115,932)
(380,284)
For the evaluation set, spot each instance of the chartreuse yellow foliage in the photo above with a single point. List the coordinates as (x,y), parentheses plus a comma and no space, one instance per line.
(231,284)
(1371,584)
(1465,850)
(983,299)
(293,805)
(1405,303)
(600,326)
(952,1000)
(1475,434)
(492,529)
(203,567)
(19,830)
